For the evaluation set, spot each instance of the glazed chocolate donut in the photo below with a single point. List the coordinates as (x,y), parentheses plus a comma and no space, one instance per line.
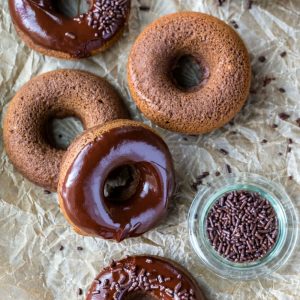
(223,64)
(99,155)
(144,277)
(56,94)
(45,29)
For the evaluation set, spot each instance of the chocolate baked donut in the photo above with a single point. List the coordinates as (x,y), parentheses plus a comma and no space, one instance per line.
(144,277)
(56,94)
(94,197)
(44,28)
(223,64)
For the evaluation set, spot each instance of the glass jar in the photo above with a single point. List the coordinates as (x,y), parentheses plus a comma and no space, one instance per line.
(287,226)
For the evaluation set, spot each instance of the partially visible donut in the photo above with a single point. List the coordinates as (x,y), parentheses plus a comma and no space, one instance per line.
(45,29)
(55,94)
(224,71)
(100,154)
(144,277)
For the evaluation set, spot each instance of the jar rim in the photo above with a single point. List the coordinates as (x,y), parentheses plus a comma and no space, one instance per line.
(287,226)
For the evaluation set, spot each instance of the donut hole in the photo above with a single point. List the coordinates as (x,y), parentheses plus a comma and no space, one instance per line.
(188,73)
(121,183)
(59,133)
(140,296)
(71,8)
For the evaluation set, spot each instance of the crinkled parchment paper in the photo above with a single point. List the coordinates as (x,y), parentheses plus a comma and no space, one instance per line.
(33,232)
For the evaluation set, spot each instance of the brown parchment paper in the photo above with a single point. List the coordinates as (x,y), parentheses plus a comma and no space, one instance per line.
(32,229)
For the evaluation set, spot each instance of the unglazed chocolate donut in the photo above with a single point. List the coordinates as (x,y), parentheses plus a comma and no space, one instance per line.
(224,70)
(43,28)
(144,277)
(101,153)
(55,94)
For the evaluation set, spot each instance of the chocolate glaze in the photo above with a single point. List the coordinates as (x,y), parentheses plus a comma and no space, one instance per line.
(82,190)
(144,276)
(76,36)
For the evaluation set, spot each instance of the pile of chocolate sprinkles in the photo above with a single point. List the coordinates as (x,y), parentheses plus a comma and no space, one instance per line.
(104,16)
(242,226)
(135,279)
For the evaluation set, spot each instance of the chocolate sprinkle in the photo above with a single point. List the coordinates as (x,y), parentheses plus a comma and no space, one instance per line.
(283,116)
(79,248)
(202,176)
(199,179)
(80,292)
(47,192)
(217,173)
(138,279)
(262,59)
(61,248)
(298,122)
(242,226)
(283,54)
(223,151)
(228,169)
(264,141)
(281,90)
(144,8)
(105,16)
(250,3)
(268,80)
(234,24)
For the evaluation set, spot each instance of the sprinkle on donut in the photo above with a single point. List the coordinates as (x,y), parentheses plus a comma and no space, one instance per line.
(141,276)
(105,15)
(44,28)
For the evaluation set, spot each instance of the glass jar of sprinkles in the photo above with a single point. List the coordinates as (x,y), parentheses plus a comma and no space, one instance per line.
(252,199)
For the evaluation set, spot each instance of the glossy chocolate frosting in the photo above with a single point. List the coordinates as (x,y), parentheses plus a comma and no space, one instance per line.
(78,36)
(82,189)
(140,276)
